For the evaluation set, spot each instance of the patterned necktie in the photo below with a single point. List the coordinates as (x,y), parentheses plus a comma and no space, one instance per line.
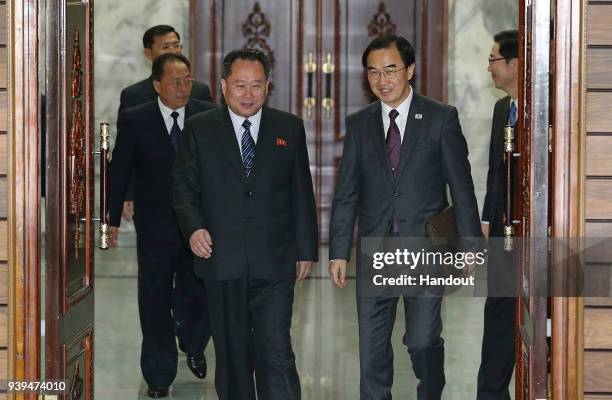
(175,132)
(248,147)
(394,142)
(513,116)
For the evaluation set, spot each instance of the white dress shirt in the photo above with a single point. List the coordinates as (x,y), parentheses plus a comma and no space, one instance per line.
(237,121)
(166,111)
(401,119)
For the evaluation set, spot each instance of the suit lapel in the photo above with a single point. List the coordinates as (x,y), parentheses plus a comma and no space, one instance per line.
(377,135)
(264,143)
(228,141)
(414,126)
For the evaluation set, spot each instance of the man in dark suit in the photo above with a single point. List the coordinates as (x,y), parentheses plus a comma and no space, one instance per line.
(498,347)
(244,200)
(400,153)
(157,40)
(147,138)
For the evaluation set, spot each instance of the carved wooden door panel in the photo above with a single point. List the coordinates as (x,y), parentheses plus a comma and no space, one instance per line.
(315,47)
(531,201)
(69,329)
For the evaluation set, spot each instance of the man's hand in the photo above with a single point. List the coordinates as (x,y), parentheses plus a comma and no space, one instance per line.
(113,232)
(302,269)
(485,230)
(128,210)
(337,272)
(200,243)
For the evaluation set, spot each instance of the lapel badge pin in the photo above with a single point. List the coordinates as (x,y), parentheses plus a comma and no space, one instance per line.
(418,116)
(281,142)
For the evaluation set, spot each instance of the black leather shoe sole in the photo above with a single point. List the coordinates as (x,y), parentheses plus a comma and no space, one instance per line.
(157,393)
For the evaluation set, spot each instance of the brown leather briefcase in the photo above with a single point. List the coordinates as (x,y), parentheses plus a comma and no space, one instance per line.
(442,228)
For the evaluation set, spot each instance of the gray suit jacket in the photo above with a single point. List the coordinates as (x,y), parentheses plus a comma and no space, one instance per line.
(434,154)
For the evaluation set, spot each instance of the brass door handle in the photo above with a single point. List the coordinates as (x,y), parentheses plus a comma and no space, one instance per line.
(104,164)
(328,70)
(310,68)
(509,134)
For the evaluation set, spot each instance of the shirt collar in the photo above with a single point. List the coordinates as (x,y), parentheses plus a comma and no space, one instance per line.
(402,109)
(237,120)
(166,111)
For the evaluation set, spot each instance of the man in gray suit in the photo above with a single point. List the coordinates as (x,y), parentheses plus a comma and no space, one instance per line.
(400,153)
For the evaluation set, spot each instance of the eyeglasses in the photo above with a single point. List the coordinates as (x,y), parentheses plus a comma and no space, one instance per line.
(171,46)
(388,73)
(187,82)
(496,59)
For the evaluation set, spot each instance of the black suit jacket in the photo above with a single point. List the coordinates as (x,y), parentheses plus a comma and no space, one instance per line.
(493,208)
(434,153)
(144,147)
(265,222)
(143,92)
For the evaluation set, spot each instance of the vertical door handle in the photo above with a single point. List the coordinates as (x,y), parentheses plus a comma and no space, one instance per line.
(328,70)
(310,68)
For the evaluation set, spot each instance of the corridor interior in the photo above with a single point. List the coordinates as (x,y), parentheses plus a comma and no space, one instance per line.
(324,334)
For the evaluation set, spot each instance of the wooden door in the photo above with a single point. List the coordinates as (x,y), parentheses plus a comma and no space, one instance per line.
(315,48)
(69,314)
(532,200)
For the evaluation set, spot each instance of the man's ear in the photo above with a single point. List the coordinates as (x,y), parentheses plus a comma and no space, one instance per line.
(148,53)
(223,86)
(156,86)
(410,71)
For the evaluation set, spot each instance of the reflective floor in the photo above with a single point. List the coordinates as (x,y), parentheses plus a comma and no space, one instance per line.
(324,334)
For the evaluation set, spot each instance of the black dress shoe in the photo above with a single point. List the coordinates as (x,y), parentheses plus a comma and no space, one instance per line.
(157,392)
(181,347)
(197,366)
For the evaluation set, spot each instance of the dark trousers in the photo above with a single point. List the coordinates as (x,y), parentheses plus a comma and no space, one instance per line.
(498,341)
(498,350)
(157,266)
(422,338)
(250,320)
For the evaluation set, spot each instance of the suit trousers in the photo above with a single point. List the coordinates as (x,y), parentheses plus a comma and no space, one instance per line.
(498,341)
(157,266)
(422,338)
(250,321)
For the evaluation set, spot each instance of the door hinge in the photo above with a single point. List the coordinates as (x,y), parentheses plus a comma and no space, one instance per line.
(48,397)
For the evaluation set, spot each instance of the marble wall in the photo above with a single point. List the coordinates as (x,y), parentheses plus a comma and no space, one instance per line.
(119,59)
(472,24)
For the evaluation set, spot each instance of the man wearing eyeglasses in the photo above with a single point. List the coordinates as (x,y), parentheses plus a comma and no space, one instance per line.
(147,140)
(497,360)
(400,153)
(157,40)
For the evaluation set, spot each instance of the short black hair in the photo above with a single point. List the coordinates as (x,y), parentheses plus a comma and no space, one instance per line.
(244,54)
(158,30)
(157,71)
(508,43)
(386,41)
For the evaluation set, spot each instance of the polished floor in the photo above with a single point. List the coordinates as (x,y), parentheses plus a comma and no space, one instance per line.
(324,334)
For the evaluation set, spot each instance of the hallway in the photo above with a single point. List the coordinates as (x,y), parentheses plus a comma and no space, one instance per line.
(324,334)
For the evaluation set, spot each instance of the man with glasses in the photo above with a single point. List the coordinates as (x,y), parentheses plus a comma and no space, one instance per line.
(497,360)
(157,40)
(400,153)
(147,140)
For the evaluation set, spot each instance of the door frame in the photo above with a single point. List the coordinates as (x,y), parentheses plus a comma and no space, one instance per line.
(24,197)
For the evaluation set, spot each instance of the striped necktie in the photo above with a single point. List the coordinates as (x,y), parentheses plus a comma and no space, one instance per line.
(248,147)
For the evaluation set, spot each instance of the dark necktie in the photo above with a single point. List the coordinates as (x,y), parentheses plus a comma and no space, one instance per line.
(394,145)
(394,142)
(175,132)
(248,147)
(513,115)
